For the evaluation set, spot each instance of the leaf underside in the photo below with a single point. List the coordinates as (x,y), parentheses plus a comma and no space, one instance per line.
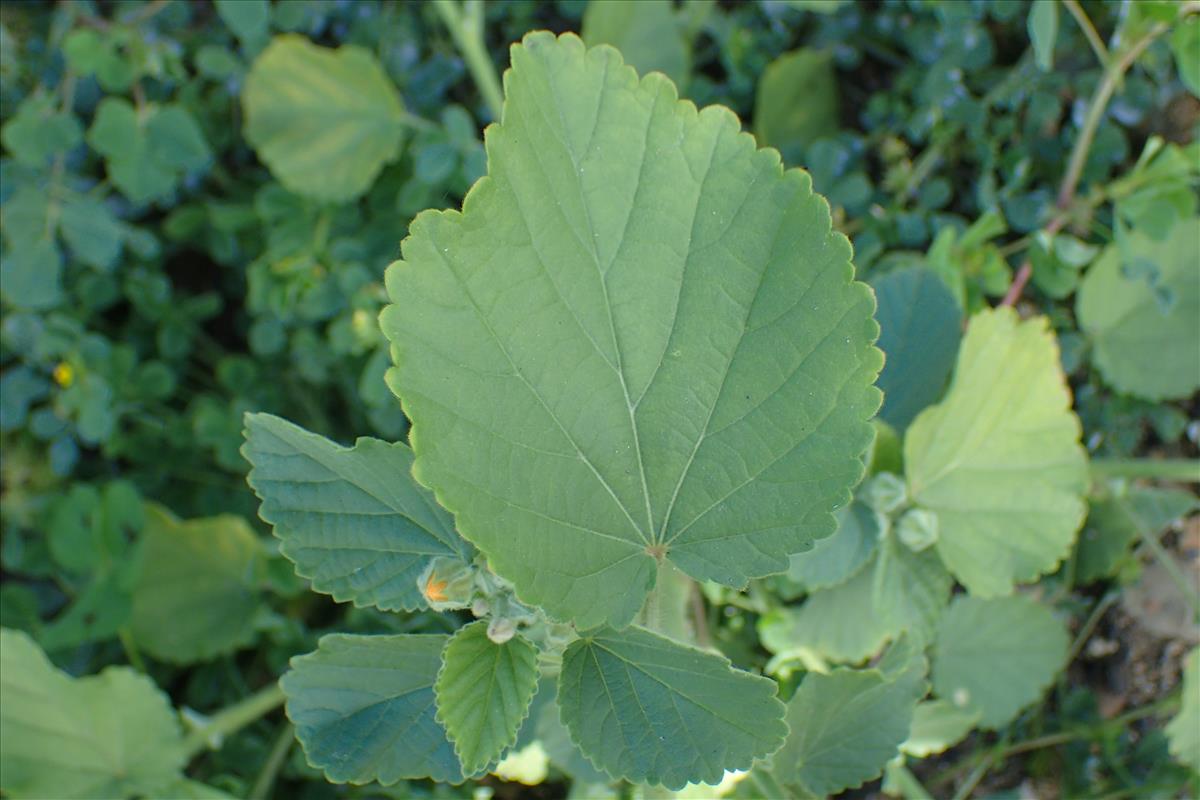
(351,519)
(647,709)
(364,709)
(639,339)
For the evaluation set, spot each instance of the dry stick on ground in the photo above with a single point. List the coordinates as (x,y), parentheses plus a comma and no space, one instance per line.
(1113,73)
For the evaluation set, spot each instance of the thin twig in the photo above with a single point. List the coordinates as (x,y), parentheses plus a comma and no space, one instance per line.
(1089,31)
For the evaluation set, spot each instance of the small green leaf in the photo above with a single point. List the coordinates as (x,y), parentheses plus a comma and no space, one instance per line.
(937,726)
(834,559)
(364,709)
(249,20)
(147,152)
(325,121)
(351,519)
(999,460)
(92,232)
(796,102)
(483,693)
(647,33)
(1113,523)
(846,726)
(617,391)
(196,597)
(1183,731)
(650,710)
(39,130)
(1185,44)
(839,622)
(897,590)
(920,325)
(997,655)
(1043,30)
(107,735)
(1139,304)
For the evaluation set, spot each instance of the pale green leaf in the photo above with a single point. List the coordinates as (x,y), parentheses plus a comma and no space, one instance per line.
(364,709)
(196,596)
(1140,305)
(556,739)
(650,710)
(325,121)
(920,325)
(31,275)
(997,655)
(1183,731)
(1042,24)
(938,725)
(646,32)
(796,102)
(483,693)
(107,735)
(351,519)
(834,559)
(846,726)
(999,459)
(640,339)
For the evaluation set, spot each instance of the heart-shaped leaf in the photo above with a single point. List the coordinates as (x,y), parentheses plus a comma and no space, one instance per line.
(639,340)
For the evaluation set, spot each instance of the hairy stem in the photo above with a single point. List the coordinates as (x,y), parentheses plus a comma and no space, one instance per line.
(465,23)
(232,719)
(270,769)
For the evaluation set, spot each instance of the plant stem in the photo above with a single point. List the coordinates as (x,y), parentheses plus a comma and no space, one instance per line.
(232,719)
(467,30)
(908,783)
(1168,563)
(1092,621)
(1166,469)
(270,769)
(1089,31)
(131,649)
(1113,73)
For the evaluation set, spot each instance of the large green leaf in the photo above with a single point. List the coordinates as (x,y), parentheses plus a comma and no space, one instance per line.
(483,693)
(647,709)
(647,33)
(107,735)
(796,102)
(999,459)
(364,709)
(997,655)
(846,726)
(1140,304)
(325,121)
(351,519)
(196,595)
(920,325)
(1183,731)
(639,340)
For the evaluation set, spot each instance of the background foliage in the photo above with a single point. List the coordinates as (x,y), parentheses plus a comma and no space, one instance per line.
(187,239)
